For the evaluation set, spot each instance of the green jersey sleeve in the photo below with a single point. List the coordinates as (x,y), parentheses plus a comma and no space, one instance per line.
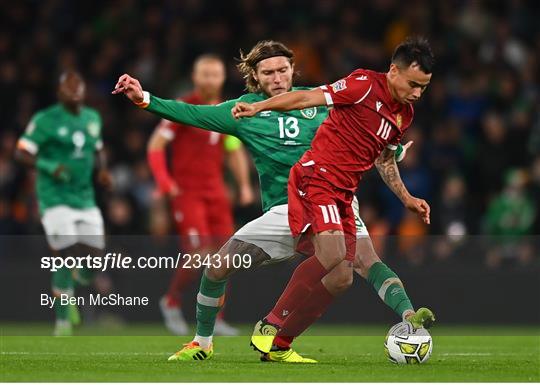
(216,118)
(34,135)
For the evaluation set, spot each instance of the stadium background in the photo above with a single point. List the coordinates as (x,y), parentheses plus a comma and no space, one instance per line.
(476,156)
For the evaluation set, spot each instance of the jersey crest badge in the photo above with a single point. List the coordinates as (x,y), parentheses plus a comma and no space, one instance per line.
(340,85)
(93,129)
(309,113)
(399,121)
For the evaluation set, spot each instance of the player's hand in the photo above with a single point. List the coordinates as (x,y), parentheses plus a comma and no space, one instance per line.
(420,207)
(246,196)
(171,190)
(105,179)
(243,110)
(130,87)
(174,190)
(61,173)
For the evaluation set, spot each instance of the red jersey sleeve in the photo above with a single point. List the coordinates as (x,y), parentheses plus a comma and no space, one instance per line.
(350,90)
(393,143)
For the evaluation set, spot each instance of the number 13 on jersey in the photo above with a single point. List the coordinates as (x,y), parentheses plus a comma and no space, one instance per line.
(288,127)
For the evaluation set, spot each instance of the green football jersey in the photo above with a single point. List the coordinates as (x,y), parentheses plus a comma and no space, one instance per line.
(56,136)
(275,140)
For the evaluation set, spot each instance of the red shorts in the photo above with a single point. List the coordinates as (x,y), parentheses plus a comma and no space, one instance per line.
(202,221)
(315,206)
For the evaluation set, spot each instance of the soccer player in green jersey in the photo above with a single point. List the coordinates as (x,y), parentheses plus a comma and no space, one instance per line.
(276,141)
(61,142)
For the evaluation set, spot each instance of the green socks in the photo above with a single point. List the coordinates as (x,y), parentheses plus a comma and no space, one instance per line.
(209,301)
(83,276)
(62,283)
(390,288)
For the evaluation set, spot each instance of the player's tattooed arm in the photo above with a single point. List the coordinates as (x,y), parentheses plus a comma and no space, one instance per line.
(388,169)
(389,172)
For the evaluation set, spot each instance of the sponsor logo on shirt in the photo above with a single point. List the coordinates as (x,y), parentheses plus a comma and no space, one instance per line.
(309,113)
(290,143)
(265,114)
(62,131)
(340,85)
(363,77)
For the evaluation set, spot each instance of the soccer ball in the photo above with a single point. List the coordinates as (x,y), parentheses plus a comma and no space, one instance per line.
(406,345)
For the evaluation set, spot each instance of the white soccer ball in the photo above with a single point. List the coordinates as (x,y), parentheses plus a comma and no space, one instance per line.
(406,345)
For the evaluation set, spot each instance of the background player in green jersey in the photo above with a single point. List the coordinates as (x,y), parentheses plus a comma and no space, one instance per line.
(61,142)
(276,141)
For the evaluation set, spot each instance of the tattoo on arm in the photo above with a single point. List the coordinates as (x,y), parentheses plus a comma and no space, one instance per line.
(389,172)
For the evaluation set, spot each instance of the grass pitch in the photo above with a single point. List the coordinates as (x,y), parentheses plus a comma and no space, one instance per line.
(345,354)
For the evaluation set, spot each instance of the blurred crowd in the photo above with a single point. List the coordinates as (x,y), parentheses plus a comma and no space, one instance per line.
(476,151)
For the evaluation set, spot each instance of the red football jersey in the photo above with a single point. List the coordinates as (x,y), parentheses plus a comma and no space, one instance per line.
(197,155)
(363,121)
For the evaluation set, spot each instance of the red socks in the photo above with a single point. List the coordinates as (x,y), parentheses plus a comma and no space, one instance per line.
(304,279)
(181,280)
(299,320)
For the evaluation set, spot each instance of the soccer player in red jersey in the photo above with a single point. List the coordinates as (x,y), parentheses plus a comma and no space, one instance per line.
(371,111)
(199,197)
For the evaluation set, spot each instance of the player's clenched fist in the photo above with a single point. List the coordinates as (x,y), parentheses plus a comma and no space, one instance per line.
(130,87)
(244,110)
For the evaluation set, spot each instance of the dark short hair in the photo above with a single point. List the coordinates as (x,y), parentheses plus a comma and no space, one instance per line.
(262,50)
(414,49)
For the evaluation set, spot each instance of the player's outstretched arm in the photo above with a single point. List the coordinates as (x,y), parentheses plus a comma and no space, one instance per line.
(388,169)
(208,117)
(294,100)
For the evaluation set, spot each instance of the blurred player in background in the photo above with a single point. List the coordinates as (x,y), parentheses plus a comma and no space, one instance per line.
(200,200)
(371,111)
(64,144)
(276,141)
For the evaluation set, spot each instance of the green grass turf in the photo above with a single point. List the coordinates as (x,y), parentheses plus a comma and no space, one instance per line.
(139,353)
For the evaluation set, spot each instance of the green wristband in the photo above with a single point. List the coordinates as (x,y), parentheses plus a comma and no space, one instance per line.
(399,154)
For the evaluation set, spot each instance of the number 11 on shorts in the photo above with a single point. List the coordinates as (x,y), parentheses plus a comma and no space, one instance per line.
(330,214)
